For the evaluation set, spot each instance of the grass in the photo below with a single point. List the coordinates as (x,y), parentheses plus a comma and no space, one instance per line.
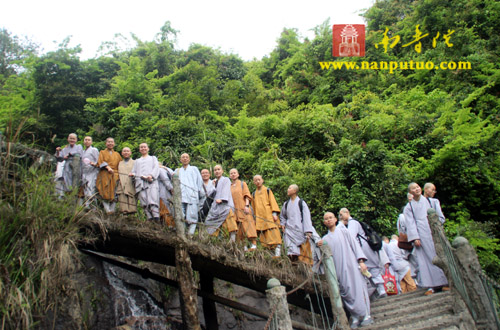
(38,237)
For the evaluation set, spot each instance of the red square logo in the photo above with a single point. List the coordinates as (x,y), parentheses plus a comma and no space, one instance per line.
(348,40)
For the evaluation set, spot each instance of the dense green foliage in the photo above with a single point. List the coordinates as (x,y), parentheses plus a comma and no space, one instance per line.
(348,138)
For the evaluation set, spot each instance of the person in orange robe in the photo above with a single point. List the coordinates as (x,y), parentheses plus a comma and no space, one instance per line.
(266,212)
(108,175)
(241,199)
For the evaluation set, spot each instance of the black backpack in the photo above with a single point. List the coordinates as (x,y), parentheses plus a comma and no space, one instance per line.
(372,238)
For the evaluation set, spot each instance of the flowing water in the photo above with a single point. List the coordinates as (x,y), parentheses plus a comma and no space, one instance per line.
(133,305)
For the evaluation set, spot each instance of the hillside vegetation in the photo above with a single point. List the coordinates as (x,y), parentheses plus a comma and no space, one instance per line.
(348,138)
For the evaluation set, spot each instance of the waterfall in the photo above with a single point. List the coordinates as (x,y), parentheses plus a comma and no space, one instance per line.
(133,304)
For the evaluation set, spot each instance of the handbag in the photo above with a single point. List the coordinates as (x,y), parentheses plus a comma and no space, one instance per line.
(390,285)
(403,242)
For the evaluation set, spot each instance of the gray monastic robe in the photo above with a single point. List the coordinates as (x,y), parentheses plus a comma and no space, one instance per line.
(375,259)
(436,205)
(429,275)
(219,212)
(399,264)
(296,224)
(72,166)
(166,187)
(392,259)
(407,255)
(149,192)
(89,172)
(192,190)
(346,253)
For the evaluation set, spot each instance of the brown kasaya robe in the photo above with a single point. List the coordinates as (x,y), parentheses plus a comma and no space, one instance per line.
(106,182)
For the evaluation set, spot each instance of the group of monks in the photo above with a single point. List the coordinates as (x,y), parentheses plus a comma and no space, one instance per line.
(225,205)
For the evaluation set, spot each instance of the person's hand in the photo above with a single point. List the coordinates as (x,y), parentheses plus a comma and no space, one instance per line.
(110,170)
(149,178)
(320,243)
(309,235)
(282,228)
(218,201)
(246,210)
(275,218)
(387,265)
(417,243)
(131,174)
(362,266)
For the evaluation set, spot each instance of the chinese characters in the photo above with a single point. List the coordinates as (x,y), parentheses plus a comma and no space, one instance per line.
(391,42)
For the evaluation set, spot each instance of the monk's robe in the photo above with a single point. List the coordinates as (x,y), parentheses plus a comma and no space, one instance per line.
(297,223)
(125,188)
(346,254)
(148,192)
(375,260)
(221,214)
(429,275)
(89,172)
(166,186)
(263,205)
(246,223)
(106,182)
(436,205)
(402,267)
(192,190)
(72,166)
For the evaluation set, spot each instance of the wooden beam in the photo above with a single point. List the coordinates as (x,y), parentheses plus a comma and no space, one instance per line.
(187,289)
(209,308)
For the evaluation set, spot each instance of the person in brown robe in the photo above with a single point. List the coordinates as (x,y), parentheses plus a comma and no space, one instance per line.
(242,199)
(125,189)
(108,175)
(266,212)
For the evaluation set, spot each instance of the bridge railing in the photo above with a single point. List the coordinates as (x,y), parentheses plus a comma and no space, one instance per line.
(464,273)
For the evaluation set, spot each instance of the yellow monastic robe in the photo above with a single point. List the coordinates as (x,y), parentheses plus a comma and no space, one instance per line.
(264,204)
(246,223)
(125,188)
(106,182)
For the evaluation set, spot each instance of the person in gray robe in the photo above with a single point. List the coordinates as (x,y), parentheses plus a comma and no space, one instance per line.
(348,258)
(146,171)
(191,190)
(222,204)
(89,171)
(412,260)
(166,187)
(376,260)
(295,220)
(419,232)
(71,171)
(208,190)
(392,259)
(401,266)
(429,193)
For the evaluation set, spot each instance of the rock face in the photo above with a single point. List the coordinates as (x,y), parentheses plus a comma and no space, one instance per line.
(103,296)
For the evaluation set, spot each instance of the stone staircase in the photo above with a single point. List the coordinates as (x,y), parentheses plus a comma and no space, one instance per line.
(412,311)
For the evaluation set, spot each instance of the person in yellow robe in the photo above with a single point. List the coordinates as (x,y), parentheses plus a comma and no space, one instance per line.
(125,188)
(242,199)
(108,175)
(266,212)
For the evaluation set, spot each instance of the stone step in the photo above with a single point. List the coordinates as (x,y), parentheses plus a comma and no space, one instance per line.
(399,297)
(421,315)
(415,303)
